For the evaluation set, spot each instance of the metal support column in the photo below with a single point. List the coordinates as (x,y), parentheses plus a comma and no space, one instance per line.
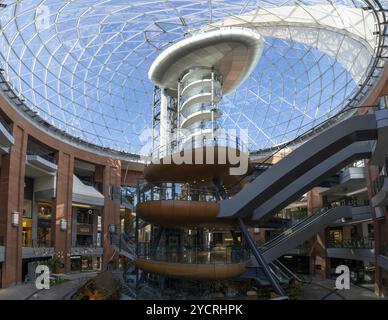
(244,232)
(234,237)
(213,105)
(137,230)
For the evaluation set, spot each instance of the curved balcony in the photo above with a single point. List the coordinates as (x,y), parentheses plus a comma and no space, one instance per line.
(197,108)
(182,213)
(198,74)
(6,138)
(200,97)
(202,115)
(197,159)
(193,271)
(193,264)
(194,84)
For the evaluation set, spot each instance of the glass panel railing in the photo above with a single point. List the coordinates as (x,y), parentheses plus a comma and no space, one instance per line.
(43,243)
(49,157)
(197,107)
(200,91)
(99,186)
(198,141)
(221,255)
(5,125)
(306,222)
(128,195)
(176,191)
(196,78)
(360,243)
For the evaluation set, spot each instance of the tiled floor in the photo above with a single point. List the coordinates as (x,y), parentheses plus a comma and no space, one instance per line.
(29,291)
(320,288)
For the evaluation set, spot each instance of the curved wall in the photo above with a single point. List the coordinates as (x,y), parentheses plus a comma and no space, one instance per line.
(12,175)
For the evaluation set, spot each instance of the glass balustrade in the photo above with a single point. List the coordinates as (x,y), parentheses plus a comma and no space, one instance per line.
(188,82)
(190,255)
(198,141)
(197,107)
(5,125)
(176,191)
(200,91)
(359,243)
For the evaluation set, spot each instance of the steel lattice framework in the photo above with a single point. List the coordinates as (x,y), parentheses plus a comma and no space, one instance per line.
(81,66)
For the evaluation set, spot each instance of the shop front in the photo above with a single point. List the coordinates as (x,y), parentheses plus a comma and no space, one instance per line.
(86,263)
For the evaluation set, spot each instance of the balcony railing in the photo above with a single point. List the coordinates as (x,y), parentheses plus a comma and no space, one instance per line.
(199,91)
(38,243)
(94,245)
(176,191)
(224,255)
(5,125)
(48,157)
(96,185)
(207,77)
(199,141)
(361,243)
(128,195)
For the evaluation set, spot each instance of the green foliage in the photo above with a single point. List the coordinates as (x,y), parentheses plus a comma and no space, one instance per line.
(54,264)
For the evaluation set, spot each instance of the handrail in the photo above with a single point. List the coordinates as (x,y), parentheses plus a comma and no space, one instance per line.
(361,243)
(302,225)
(176,191)
(194,255)
(280,237)
(196,141)
(47,157)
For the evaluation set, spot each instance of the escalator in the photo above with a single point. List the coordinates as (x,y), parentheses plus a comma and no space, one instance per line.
(302,231)
(124,245)
(304,168)
(287,180)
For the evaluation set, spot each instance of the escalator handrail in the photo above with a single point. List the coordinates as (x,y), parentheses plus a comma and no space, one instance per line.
(290,272)
(295,227)
(299,227)
(287,144)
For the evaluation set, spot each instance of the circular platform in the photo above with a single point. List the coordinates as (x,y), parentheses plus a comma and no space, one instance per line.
(193,271)
(233,52)
(195,166)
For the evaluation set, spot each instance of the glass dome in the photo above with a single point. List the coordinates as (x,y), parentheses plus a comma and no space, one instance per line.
(82,65)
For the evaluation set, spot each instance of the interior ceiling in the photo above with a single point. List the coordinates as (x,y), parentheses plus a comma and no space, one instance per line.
(82,65)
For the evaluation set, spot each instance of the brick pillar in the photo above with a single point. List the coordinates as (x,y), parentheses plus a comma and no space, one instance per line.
(111,212)
(12,200)
(318,255)
(63,208)
(372,172)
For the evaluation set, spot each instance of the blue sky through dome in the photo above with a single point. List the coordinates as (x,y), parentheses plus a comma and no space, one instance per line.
(83,67)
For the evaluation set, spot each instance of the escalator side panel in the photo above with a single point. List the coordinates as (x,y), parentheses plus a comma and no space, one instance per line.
(296,188)
(307,156)
(304,233)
